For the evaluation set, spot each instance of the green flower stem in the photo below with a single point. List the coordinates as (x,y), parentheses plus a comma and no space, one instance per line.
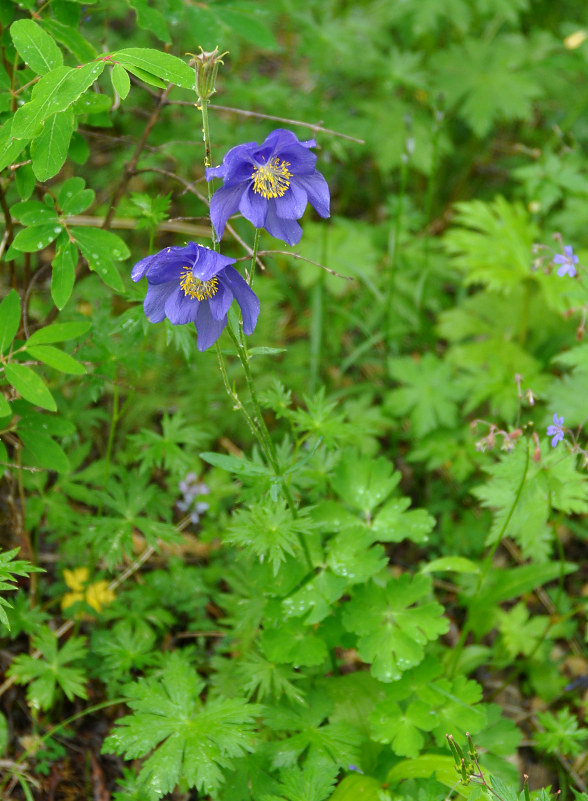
(254,256)
(393,249)
(233,395)
(457,651)
(203,106)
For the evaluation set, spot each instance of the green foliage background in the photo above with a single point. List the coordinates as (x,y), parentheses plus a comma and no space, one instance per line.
(416,549)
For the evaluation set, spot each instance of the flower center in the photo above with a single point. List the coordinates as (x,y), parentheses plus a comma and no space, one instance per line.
(195,288)
(271,179)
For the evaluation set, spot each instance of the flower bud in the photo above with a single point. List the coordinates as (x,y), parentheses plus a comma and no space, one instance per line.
(206,66)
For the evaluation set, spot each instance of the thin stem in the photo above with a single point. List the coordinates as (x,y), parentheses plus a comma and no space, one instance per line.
(254,256)
(203,105)
(394,251)
(487,562)
(232,393)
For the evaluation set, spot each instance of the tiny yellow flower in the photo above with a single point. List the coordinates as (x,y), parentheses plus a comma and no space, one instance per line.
(98,595)
(95,595)
(574,40)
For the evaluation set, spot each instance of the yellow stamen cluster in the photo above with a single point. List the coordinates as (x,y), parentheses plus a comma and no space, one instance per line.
(195,288)
(272,179)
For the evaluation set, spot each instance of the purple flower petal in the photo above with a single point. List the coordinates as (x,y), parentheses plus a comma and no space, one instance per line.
(253,207)
(317,190)
(292,203)
(225,203)
(208,329)
(270,184)
(221,300)
(154,303)
(180,308)
(569,251)
(245,297)
(209,263)
(287,230)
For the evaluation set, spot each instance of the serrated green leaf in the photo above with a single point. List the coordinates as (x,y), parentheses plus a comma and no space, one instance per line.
(9,319)
(40,450)
(120,81)
(37,237)
(35,47)
(292,642)
(55,92)
(56,358)
(26,382)
(59,332)
(392,629)
(163,65)
(188,740)
(49,150)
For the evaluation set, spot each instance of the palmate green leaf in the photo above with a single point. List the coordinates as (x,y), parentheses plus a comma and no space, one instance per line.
(364,483)
(522,492)
(30,385)
(429,393)
(497,84)
(294,643)
(312,782)
(315,599)
(169,450)
(268,530)
(35,47)
(55,92)
(9,319)
(402,728)
(187,740)
(56,668)
(491,243)
(9,569)
(306,730)
(391,625)
(265,679)
(49,150)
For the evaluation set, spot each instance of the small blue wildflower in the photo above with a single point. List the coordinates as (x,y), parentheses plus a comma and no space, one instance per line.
(192,489)
(567,262)
(556,430)
(355,769)
(270,184)
(194,284)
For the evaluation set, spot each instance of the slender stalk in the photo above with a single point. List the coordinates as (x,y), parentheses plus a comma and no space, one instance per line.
(232,393)
(203,105)
(254,256)
(457,651)
(393,252)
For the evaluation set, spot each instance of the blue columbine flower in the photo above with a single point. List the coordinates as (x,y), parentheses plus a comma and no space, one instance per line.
(194,284)
(270,184)
(556,430)
(567,262)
